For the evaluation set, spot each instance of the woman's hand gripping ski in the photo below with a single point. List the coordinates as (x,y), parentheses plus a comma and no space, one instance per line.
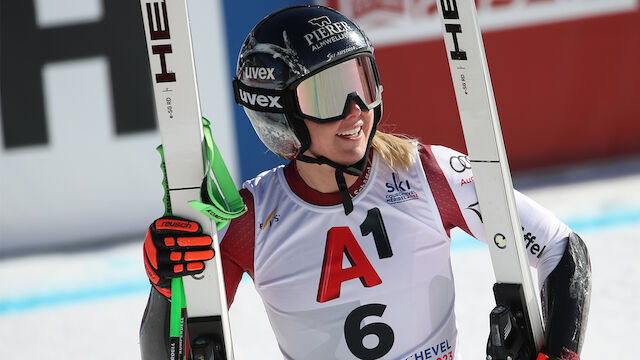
(174,247)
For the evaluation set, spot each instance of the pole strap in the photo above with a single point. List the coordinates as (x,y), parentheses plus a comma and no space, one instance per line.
(220,199)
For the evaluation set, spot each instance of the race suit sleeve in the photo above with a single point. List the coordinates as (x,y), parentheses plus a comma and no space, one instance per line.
(545,236)
(237,247)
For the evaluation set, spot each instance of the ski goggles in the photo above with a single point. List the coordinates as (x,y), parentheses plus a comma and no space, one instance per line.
(322,97)
(326,96)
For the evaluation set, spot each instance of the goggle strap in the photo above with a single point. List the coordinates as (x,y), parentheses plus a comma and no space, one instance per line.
(259,99)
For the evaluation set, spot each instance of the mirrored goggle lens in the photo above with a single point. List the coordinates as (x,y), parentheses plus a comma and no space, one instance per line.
(324,95)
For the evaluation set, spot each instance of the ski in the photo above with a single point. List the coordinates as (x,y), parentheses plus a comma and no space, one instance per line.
(516,328)
(187,149)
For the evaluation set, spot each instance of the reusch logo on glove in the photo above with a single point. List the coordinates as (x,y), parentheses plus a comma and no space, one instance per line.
(168,224)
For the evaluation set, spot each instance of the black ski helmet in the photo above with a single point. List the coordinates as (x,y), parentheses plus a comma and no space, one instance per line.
(285,48)
(306,48)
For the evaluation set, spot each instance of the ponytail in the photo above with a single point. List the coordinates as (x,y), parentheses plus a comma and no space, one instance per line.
(397,151)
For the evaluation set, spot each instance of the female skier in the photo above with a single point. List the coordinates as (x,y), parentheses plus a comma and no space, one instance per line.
(354,204)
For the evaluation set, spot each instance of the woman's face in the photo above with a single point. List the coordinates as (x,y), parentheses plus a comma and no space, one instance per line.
(343,141)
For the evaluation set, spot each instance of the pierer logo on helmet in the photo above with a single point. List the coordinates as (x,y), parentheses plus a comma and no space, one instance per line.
(326,33)
(320,21)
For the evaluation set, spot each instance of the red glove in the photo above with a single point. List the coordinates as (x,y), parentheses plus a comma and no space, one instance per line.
(566,355)
(174,247)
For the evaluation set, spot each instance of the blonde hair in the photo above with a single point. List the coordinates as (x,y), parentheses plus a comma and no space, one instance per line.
(397,151)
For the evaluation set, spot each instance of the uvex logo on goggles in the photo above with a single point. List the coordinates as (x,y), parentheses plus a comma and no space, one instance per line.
(258,99)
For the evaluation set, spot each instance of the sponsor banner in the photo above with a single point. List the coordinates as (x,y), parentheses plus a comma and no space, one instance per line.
(78,130)
(563,95)
(398,21)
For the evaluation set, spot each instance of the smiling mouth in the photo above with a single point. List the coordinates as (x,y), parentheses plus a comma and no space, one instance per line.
(351,133)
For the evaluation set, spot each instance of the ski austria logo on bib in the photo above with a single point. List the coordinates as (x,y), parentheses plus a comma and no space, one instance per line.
(399,191)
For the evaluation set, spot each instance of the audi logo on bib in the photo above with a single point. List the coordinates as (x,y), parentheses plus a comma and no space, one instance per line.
(460,163)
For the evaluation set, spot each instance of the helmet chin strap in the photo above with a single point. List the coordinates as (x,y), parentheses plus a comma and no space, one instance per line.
(355,169)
